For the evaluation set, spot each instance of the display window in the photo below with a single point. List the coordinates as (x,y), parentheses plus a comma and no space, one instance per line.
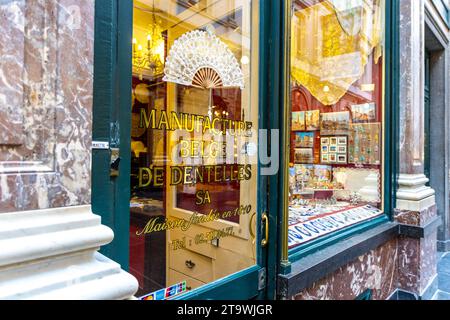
(194,110)
(337,66)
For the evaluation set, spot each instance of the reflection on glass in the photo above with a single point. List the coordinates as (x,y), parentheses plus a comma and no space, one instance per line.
(337,104)
(194,110)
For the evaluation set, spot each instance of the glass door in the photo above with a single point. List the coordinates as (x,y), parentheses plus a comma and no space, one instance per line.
(193,207)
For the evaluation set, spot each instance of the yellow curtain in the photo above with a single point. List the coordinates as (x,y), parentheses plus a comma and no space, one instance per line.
(331,46)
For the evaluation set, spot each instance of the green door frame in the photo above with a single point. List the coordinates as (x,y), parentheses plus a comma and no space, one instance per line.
(110,65)
(112,123)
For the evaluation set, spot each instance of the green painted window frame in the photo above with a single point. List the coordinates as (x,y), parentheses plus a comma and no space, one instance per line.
(391,156)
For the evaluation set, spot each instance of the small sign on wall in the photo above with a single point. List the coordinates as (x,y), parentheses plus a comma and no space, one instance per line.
(100,145)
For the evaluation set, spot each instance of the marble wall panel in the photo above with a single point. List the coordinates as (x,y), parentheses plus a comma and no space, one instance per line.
(376,270)
(409,264)
(11,72)
(49,164)
(417,260)
(429,260)
(416,218)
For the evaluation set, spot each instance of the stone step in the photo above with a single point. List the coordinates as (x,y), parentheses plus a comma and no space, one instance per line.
(52,254)
(56,278)
(31,223)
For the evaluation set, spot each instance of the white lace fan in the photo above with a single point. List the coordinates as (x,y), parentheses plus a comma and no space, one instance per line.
(200,59)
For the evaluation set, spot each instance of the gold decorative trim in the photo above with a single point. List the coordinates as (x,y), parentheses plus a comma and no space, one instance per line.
(286,132)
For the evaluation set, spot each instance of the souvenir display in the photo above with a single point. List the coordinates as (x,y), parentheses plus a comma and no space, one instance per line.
(364,113)
(337,81)
(334,150)
(365,144)
(335,123)
(298,121)
(309,222)
(323,173)
(304,155)
(304,172)
(312,120)
(299,176)
(308,178)
(304,139)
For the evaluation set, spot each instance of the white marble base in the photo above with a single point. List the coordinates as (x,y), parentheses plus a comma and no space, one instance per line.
(413,194)
(52,254)
(416,206)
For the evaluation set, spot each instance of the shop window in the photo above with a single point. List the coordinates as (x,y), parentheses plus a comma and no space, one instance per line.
(194,109)
(337,109)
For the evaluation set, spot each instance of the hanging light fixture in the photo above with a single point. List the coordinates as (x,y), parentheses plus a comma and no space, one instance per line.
(150,59)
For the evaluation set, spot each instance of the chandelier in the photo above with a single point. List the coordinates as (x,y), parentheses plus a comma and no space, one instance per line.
(148,59)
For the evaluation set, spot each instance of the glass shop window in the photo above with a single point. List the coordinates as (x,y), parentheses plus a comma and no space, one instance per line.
(194,110)
(337,108)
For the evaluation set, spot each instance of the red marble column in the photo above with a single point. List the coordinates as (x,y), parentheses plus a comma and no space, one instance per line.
(415,200)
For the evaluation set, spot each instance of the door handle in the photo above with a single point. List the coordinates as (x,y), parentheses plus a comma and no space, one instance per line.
(265,220)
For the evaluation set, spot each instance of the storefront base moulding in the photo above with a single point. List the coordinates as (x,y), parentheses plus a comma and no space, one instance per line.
(417,216)
(52,254)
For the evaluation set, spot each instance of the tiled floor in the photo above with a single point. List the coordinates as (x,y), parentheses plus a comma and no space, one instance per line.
(443,278)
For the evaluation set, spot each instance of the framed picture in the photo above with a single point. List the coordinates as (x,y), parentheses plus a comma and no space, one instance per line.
(364,113)
(304,139)
(325,141)
(325,158)
(304,172)
(332,157)
(304,155)
(335,123)
(342,149)
(333,141)
(312,120)
(342,159)
(333,149)
(342,141)
(325,149)
(298,121)
(365,144)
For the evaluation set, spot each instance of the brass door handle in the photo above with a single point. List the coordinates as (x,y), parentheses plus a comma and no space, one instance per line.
(265,220)
(250,229)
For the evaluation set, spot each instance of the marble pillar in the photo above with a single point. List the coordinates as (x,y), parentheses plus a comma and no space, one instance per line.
(417,258)
(415,200)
